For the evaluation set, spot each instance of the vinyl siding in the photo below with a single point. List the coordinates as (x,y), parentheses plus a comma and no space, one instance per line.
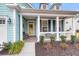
(25,26)
(17,26)
(5,11)
(68,25)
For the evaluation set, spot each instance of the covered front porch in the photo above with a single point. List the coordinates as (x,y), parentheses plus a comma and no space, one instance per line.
(46,24)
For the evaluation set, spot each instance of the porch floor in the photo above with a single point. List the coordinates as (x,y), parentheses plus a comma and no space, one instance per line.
(31,39)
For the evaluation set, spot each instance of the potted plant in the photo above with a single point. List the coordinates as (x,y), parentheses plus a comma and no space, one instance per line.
(73,39)
(63,38)
(63,45)
(52,39)
(41,40)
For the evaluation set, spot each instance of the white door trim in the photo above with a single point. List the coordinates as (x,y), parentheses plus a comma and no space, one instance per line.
(33,27)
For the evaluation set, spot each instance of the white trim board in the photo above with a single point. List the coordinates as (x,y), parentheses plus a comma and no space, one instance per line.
(49,15)
(14,25)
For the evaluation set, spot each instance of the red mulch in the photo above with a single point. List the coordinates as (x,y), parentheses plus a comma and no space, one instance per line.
(57,50)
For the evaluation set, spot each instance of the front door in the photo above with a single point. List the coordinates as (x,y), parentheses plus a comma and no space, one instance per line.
(31,26)
(77,35)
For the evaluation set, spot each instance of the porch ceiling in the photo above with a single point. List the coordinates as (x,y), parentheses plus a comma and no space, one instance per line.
(29,17)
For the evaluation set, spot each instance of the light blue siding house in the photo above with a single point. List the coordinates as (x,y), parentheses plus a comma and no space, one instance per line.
(10,22)
(20,18)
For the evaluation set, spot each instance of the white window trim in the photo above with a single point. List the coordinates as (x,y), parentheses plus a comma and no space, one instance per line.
(44,26)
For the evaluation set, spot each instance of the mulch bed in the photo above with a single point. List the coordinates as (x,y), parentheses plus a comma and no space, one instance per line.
(57,50)
(4,52)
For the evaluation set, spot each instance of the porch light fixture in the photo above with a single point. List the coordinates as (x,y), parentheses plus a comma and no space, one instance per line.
(9,21)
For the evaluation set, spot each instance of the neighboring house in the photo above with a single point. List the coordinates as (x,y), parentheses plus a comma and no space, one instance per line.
(16,19)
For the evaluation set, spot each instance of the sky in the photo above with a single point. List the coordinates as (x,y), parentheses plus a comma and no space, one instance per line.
(64,6)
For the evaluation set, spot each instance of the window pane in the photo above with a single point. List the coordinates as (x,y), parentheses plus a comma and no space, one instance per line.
(44,6)
(44,29)
(3,21)
(54,25)
(44,25)
(49,25)
(61,25)
(0,21)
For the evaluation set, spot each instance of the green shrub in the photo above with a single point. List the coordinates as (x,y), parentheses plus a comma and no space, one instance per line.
(52,38)
(73,39)
(41,40)
(63,38)
(7,45)
(16,47)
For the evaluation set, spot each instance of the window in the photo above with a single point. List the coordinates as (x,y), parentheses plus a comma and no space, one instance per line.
(66,22)
(44,25)
(2,20)
(49,25)
(57,7)
(54,25)
(44,29)
(44,6)
(78,21)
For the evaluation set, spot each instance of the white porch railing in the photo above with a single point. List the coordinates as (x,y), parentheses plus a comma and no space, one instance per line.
(54,32)
(47,34)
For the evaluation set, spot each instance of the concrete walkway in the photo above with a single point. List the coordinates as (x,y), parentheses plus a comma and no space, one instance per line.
(28,49)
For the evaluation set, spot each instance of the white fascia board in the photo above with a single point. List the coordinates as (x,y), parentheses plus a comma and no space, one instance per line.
(49,15)
(14,6)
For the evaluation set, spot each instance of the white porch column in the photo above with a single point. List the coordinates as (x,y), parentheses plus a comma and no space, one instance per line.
(38,28)
(21,28)
(14,25)
(57,27)
(73,26)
